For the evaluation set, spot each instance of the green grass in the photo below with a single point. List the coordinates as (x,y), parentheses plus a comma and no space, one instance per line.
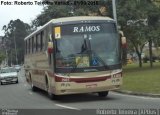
(144,80)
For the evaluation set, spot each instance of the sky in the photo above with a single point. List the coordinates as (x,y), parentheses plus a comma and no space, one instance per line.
(25,13)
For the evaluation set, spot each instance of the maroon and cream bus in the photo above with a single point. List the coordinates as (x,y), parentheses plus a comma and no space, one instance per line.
(74,55)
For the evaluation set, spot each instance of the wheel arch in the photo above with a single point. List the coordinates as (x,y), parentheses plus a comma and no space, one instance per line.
(47,81)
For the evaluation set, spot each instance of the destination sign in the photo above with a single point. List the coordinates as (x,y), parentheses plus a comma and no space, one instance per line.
(86,28)
(82,29)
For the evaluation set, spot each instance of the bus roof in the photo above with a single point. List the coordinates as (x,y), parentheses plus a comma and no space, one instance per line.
(80,18)
(69,19)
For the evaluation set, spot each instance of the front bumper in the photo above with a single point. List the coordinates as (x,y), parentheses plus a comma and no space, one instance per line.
(85,90)
(9,80)
(63,88)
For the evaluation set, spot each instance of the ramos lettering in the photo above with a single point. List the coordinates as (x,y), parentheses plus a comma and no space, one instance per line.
(86,29)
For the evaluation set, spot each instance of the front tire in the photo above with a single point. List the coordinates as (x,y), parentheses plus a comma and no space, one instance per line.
(103,94)
(32,86)
(17,81)
(50,95)
(1,82)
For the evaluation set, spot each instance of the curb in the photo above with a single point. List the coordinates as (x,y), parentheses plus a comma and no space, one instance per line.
(137,93)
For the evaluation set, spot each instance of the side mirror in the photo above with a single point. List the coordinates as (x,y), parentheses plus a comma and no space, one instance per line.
(50,47)
(123,42)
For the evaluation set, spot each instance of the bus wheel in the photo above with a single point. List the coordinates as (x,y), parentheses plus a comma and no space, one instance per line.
(32,86)
(52,96)
(17,81)
(1,83)
(103,94)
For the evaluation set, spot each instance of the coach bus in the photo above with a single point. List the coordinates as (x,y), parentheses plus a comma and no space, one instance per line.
(74,55)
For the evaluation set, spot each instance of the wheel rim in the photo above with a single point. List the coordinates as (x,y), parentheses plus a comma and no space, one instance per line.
(31,85)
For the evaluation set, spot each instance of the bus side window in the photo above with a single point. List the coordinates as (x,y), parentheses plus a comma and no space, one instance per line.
(26,47)
(50,55)
(44,40)
(29,49)
(36,42)
(41,41)
(32,44)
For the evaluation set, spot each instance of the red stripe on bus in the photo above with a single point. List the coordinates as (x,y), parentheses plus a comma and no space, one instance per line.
(82,80)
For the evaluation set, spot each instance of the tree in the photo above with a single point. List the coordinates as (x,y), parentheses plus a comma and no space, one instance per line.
(153,23)
(18,30)
(56,11)
(133,16)
(2,57)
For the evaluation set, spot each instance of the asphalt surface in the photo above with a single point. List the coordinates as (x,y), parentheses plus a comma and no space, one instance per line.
(20,96)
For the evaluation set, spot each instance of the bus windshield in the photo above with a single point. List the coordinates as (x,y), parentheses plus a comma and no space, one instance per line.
(87,46)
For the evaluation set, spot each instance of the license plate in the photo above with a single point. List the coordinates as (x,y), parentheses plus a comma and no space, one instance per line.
(91,85)
(8,79)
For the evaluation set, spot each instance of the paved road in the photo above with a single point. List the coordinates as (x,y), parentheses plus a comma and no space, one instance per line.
(20,96)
